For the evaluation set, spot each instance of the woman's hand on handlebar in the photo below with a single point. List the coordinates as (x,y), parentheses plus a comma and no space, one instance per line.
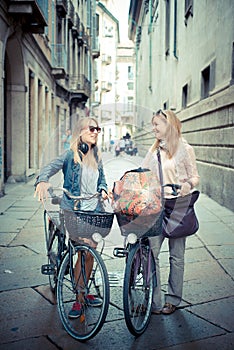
(185,189)
(104,195)
(42,191)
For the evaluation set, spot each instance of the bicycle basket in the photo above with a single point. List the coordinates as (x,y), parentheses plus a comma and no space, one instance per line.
(142,226)
(82,224)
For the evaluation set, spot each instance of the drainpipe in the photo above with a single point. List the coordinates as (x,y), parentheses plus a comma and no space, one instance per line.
(150,46)
(175,30)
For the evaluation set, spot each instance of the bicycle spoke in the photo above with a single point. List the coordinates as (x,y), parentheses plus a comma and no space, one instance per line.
(138,289)
(91,318)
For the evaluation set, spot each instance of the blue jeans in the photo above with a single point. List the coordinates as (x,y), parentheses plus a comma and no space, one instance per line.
(176,274)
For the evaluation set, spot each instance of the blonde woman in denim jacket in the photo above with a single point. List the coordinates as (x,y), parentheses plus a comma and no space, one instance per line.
(178,167)
(83,175)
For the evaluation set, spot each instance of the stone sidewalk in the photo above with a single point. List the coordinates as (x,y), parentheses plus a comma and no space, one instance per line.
(29,318)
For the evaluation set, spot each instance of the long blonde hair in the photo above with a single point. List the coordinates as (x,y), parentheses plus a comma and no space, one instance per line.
(173,131)
(93,155)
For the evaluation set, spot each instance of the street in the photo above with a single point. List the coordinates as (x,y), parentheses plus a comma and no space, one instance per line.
(29,317)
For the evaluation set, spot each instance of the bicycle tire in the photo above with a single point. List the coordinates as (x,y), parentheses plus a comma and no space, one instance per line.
(137,291)
(53,240)
(92,319)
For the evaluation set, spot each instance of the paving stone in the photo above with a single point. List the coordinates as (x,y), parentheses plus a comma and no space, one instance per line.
(11,223)
(21,267)
(225,342)
(211,311)
(215,233)
(34,343)
(228,266)
(25,313)
(205,282)
(45,291)
(7,237)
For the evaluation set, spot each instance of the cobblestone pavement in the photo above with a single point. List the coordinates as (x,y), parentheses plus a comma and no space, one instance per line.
(29,317)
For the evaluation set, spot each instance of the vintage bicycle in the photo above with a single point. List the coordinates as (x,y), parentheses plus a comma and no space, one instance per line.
(140,270)
(66,234)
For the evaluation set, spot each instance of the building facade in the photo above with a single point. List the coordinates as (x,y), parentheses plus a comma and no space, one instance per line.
(125,89)
(114,99)
(185,62)
(47,49)
(105,92)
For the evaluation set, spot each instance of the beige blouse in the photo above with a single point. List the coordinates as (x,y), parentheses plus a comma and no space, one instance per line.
(177,170)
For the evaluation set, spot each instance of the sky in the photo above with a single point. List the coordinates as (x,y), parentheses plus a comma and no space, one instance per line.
(121,9)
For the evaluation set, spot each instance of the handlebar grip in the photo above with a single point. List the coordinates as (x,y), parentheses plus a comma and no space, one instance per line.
(174,188)
(54,199)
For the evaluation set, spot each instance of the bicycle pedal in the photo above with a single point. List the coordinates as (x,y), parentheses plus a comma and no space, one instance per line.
(120,252)
(48,269)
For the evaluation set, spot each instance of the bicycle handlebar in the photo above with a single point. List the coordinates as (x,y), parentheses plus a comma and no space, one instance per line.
(174,187)
(57,200)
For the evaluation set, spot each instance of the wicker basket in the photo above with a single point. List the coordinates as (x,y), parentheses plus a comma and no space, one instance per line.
(142,226)
(82,224)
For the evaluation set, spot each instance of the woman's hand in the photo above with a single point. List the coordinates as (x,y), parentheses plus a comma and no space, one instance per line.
(42,190)
(104,195)
(185,189)
(110,194)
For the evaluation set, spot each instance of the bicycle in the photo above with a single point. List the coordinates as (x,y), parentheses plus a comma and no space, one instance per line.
(140,269)
(55,242)
(70,234)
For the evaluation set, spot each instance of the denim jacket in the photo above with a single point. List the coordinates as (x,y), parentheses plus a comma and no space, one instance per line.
(72,176)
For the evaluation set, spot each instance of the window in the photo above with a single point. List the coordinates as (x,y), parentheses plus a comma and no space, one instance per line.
(130,85)
(108,30)
(31,105)
(130,72)
(188,9)
(167,28)
(97,24)
(130,104)
(208,79)
(185,96)
(232,80)
(205,83)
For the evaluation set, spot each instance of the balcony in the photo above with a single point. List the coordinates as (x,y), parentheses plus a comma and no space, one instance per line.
(127,119)
(59,61)
(86,40)
(106,59)
(61,6)
(81,34)
(71,14)
(95,72)
(80,88)
(106,115)
(106,86)
(76,26)
(32,14)
(95,47)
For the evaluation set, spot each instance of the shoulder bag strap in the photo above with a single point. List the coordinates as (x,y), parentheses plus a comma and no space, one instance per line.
(160,172)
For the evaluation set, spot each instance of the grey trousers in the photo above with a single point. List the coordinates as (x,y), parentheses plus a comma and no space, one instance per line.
(176,274)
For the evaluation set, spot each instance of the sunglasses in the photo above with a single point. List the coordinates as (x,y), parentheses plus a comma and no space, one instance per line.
(161,112)
(93,128)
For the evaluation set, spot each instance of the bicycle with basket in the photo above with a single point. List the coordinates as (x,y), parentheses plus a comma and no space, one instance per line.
(66,234)
(139,208)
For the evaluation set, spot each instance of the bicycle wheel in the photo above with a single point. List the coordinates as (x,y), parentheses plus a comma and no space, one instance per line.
(92,318)
(139,282)
(53,244)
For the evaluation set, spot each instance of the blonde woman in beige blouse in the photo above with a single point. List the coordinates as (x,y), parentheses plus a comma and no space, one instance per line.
(178,167)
